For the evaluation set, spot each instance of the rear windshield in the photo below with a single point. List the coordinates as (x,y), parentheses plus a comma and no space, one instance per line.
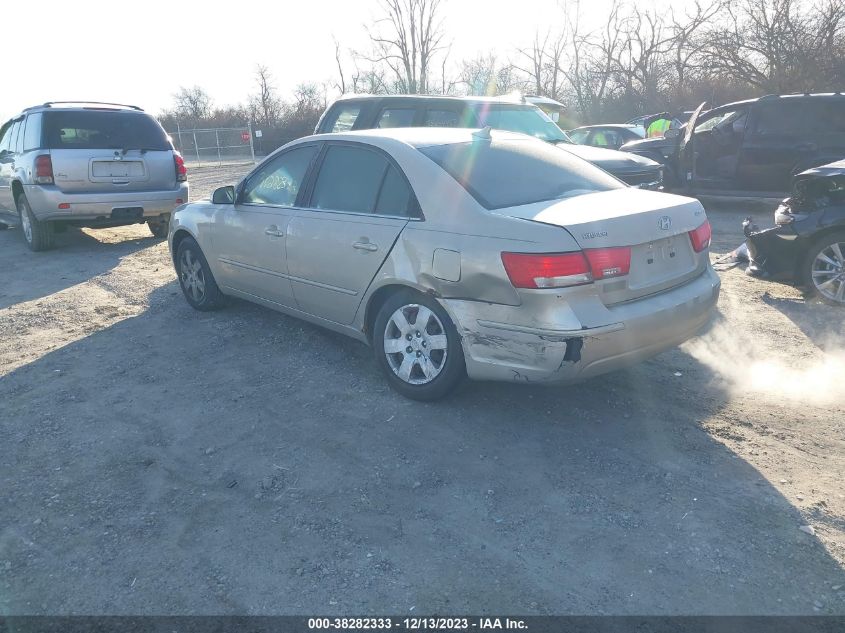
(96,129)
(510,173)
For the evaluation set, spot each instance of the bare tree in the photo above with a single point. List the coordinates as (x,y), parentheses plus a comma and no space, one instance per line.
(484,75)
(265,105)
(193,104)
(541,63)
(407,39)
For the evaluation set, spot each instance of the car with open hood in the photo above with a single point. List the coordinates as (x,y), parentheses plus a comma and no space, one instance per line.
(455,252)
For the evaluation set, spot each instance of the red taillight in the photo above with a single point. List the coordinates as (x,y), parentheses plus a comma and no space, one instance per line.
(558,270)
(43,170)
(546,270)
(181,170)
(64,205)
(700,237)
(609,262)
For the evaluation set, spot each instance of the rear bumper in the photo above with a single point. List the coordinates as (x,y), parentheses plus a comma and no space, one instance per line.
(512,351)
(45,201)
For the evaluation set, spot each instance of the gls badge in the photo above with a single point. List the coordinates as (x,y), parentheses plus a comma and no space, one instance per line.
(664,223)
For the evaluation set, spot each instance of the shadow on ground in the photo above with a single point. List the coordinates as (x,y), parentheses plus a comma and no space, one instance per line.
(246,462)
(821,323)
(77,257)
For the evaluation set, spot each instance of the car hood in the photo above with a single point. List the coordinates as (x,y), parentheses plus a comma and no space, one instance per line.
(823,171)
(648,144)
(609,159)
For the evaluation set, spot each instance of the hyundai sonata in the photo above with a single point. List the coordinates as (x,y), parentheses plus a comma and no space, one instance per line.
(455,252)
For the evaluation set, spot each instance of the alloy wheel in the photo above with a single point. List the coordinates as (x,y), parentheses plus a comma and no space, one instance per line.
(192,275)
(415,344)
(828,272)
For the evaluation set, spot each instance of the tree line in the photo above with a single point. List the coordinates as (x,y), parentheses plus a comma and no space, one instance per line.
(639,60)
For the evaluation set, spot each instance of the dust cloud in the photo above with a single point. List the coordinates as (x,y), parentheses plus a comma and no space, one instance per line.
(747,365)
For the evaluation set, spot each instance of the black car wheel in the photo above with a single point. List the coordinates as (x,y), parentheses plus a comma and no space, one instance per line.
(37,235)
(195,277)
(823,269)
(159,227)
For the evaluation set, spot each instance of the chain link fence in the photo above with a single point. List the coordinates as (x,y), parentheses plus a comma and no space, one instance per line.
(215,146)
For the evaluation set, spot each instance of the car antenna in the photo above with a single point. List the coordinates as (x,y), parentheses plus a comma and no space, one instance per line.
(483,134)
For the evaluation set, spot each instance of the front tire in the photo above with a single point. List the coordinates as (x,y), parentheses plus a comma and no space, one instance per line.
(37,235)
(417,347)
(159,228)
(823,269)
(195,277)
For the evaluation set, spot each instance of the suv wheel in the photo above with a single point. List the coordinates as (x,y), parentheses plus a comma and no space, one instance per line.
(159,227)
(823,270)
(417,347)
(195,277)
(38,235)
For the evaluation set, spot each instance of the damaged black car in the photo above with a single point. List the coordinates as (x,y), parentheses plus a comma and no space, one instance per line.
(807,244)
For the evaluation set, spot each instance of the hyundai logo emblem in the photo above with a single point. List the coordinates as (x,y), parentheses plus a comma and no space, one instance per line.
(665,223)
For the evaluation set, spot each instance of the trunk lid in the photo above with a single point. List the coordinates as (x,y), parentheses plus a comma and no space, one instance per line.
(654,225)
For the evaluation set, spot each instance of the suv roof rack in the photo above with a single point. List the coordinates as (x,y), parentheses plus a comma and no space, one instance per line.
(50,104)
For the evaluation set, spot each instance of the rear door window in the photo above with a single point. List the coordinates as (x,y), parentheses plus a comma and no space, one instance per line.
(344,118)
(396,117)
(32,133)
(395,196)
(278,182)
(787,118)
(13,137)
(93,129)
(441,118)
(350,179)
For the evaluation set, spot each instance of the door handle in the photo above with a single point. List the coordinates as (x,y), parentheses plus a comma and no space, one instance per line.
(365,246)
(274,231)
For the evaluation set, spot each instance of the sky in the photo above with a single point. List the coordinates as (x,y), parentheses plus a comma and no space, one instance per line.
(141,53)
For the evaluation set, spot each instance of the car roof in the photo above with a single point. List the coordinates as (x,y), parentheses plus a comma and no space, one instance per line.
(470,99)
(825,95)
(422,136)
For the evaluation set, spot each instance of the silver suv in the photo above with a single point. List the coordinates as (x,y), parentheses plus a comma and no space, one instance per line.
(87,164)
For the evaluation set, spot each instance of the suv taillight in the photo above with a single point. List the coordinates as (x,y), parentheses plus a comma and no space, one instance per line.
(181,170)
(44,170)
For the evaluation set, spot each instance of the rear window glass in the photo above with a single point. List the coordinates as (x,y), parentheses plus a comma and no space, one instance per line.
(88,129)
(396,117)
(502,174)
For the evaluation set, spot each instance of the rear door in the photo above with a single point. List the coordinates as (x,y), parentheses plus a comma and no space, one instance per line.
(249,236)
(101,150)
(359,204)
(781,138)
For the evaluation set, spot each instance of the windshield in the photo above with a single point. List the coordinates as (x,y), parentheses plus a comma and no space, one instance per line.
(526,119)
(511,173)
(98,129)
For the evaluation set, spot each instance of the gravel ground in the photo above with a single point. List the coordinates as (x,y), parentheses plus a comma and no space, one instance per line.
(160,460)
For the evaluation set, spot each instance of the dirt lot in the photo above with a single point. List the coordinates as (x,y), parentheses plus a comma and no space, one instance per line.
(159,460)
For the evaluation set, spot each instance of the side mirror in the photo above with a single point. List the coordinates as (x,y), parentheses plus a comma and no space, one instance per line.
(223,195)
(672,132)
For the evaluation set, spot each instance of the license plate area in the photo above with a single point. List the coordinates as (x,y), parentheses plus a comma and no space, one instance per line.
(124,169)
(656,262)
(127,213)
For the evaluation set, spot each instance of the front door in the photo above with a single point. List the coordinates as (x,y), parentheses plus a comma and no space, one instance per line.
(717,148)
(359,205)
(249,236)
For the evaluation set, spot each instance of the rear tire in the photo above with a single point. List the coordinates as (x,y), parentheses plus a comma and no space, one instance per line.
(195,277)
(37,235)
(159,228)
(417,347)
(823,269)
